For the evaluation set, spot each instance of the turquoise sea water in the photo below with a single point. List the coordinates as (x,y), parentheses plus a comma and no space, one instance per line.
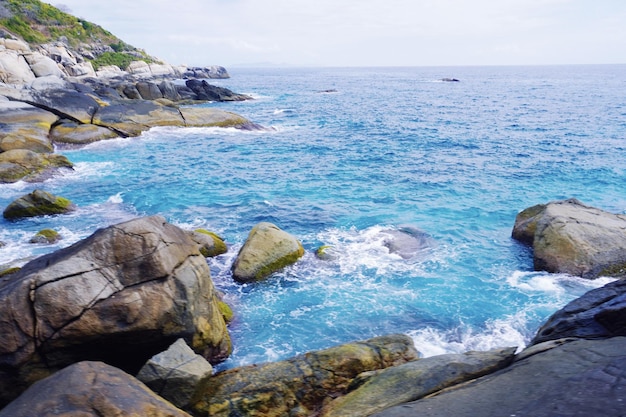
(355,152)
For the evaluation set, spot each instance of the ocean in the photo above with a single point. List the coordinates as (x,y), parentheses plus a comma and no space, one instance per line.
(349,155)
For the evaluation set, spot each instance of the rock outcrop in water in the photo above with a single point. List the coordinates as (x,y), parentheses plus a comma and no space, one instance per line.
(268,249)
(37,203)
(120,296)
(570,237)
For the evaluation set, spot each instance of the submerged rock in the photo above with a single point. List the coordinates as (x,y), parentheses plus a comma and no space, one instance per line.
(570,237)
(120,296)
(268,249)
(408,242)
(90,389)
(37,203)
(300,385)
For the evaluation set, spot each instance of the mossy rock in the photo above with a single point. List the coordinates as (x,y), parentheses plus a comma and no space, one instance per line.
(210,244)
(46,236)
(268,249)
(226,311)
(37,203)
(326,253)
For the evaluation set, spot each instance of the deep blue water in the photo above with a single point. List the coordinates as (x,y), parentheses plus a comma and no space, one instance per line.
(388,147)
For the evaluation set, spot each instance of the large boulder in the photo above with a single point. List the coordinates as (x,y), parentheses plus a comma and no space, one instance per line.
(42,66)
(37,203)
(575,378)
(414,380)
(570,237)
(120,296)
(267,249)
(298,386)
(67,103)
(13,68)
(90,389)
(22,164)
(175,373)
(599,313)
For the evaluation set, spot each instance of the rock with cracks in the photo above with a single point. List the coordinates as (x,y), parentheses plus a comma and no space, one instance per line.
(120,296)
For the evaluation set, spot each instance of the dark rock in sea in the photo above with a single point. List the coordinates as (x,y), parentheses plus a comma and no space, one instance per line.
(575,378)
(206,91)
(267,249)
(37,203)
(570,237)
(90,389)
(120,296)
(414,380)
(453,80)
(175,373)
(300,385)
(600,313)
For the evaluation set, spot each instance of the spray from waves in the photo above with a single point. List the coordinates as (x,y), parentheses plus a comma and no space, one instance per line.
(560,286)
(507,332)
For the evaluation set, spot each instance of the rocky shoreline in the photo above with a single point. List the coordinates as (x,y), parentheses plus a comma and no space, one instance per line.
(52,98)
(128,321)
(132,309)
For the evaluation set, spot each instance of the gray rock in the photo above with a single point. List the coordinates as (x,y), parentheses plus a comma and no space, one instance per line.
(600,313)
(149,90)
(90,389)
(570,237)
(579,378)
(415,380)
(175,373)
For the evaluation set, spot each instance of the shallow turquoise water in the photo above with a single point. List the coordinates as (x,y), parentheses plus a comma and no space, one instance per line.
(388,147)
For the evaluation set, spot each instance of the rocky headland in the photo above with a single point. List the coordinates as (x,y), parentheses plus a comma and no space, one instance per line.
(68,82)
(128,321)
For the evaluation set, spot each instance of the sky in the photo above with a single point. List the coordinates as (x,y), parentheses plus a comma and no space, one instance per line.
(344,33)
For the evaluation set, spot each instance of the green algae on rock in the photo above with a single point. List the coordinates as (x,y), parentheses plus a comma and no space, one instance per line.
(46,236)
(210,243)
(37,203)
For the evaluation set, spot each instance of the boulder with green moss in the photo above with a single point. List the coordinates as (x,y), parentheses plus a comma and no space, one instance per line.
(46,236)
(268,249)
(37,203)
(210,244)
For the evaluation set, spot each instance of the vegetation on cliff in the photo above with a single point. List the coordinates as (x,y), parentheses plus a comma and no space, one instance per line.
(36,23)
